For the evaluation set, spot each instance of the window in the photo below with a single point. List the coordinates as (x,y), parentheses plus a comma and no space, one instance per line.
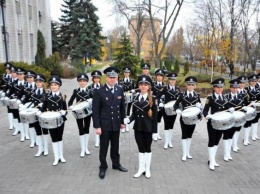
(19,21)
(18,7)
(30,11)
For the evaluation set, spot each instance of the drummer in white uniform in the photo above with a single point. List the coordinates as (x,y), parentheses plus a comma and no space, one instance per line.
(216,102)
(188,99)
(82,94)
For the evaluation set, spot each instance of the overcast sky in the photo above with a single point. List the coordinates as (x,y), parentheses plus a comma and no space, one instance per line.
(104,12)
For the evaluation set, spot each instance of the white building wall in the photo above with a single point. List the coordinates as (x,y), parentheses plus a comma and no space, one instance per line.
(22,19)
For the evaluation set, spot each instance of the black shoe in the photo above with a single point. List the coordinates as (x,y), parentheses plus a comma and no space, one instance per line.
(102,174)
(121,168)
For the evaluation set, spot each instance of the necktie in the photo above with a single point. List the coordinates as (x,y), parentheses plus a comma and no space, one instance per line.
(160,85)
(235,97)
(219,98)
(83,91)
(30,86)
(190,96)
(97,86)
(20,84)
(127,81)
(111,90)
(142,100)
(38,92)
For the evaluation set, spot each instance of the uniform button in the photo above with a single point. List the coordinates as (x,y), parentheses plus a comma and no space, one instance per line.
(112,118)
(137,115)
(118,117)
(142,115)
(111,112)
(111,106)
(117,111)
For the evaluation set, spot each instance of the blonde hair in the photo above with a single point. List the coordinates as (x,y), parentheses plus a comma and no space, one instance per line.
(150,99)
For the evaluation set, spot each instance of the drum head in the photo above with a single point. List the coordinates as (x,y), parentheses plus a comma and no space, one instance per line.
(238,114)
(170,104)
(221,116)
(80,106)
(190,111)
(29,111)
(250,109)
(49,114)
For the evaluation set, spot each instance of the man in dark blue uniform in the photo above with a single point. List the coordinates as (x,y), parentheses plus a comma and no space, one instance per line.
(108,119)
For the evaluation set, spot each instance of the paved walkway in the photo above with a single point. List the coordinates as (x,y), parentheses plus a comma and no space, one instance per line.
(21,172)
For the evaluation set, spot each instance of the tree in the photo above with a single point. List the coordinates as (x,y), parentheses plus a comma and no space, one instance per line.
(55,38)
(175,44)
(40,54)
(52,64)
(81,30)
(176,66)
(186,68)
(159,35)
(124,56)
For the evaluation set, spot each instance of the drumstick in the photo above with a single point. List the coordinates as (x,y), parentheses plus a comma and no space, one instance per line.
(226,110)
(190,106)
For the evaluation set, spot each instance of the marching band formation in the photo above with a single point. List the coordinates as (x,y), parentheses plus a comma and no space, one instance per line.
(35,112)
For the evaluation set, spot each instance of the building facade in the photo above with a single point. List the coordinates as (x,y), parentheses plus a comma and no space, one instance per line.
(147,40)
(23,18)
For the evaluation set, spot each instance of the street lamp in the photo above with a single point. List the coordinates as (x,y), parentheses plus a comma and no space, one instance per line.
(4,32)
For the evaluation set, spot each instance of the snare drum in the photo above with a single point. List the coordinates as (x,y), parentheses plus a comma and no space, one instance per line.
(82,110)
(168,107)
(240,118)
(129,97)
(13,104)
(190,116)
(26,105)
(28,115)
(222,121)
(250,113)
(257,107)
(50,120)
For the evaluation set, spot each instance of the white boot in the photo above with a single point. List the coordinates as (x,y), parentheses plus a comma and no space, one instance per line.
(86,143)
(82,145)
(148,158)
(235,140)
(16,127)
(97,140)
(211,151)
(184,149)
(10,119)
(158,131)
(40,145)
(141,165)
(123,130)
(254,130)
(45,145)
(166,139)
(229,149)
(155,137)
(188,148)
(246,135)
(225,146)
(170,138)
(26,130)
(215,152)
(60,144)
(32,136)
(55,148)
(127,127)
(21,131)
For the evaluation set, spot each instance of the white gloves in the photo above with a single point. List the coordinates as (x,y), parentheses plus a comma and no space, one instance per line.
(126,121)
(244,108)
(133,91)
(3,94)
(161,105)
(40,104)
(38,113)
(70,108)
(63,112)
(253,104)
(198,105)
(137,93)
(18,102)
(90,100)
(178,111)
(231,110)
(6,98)
(20,106)
(209,116)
